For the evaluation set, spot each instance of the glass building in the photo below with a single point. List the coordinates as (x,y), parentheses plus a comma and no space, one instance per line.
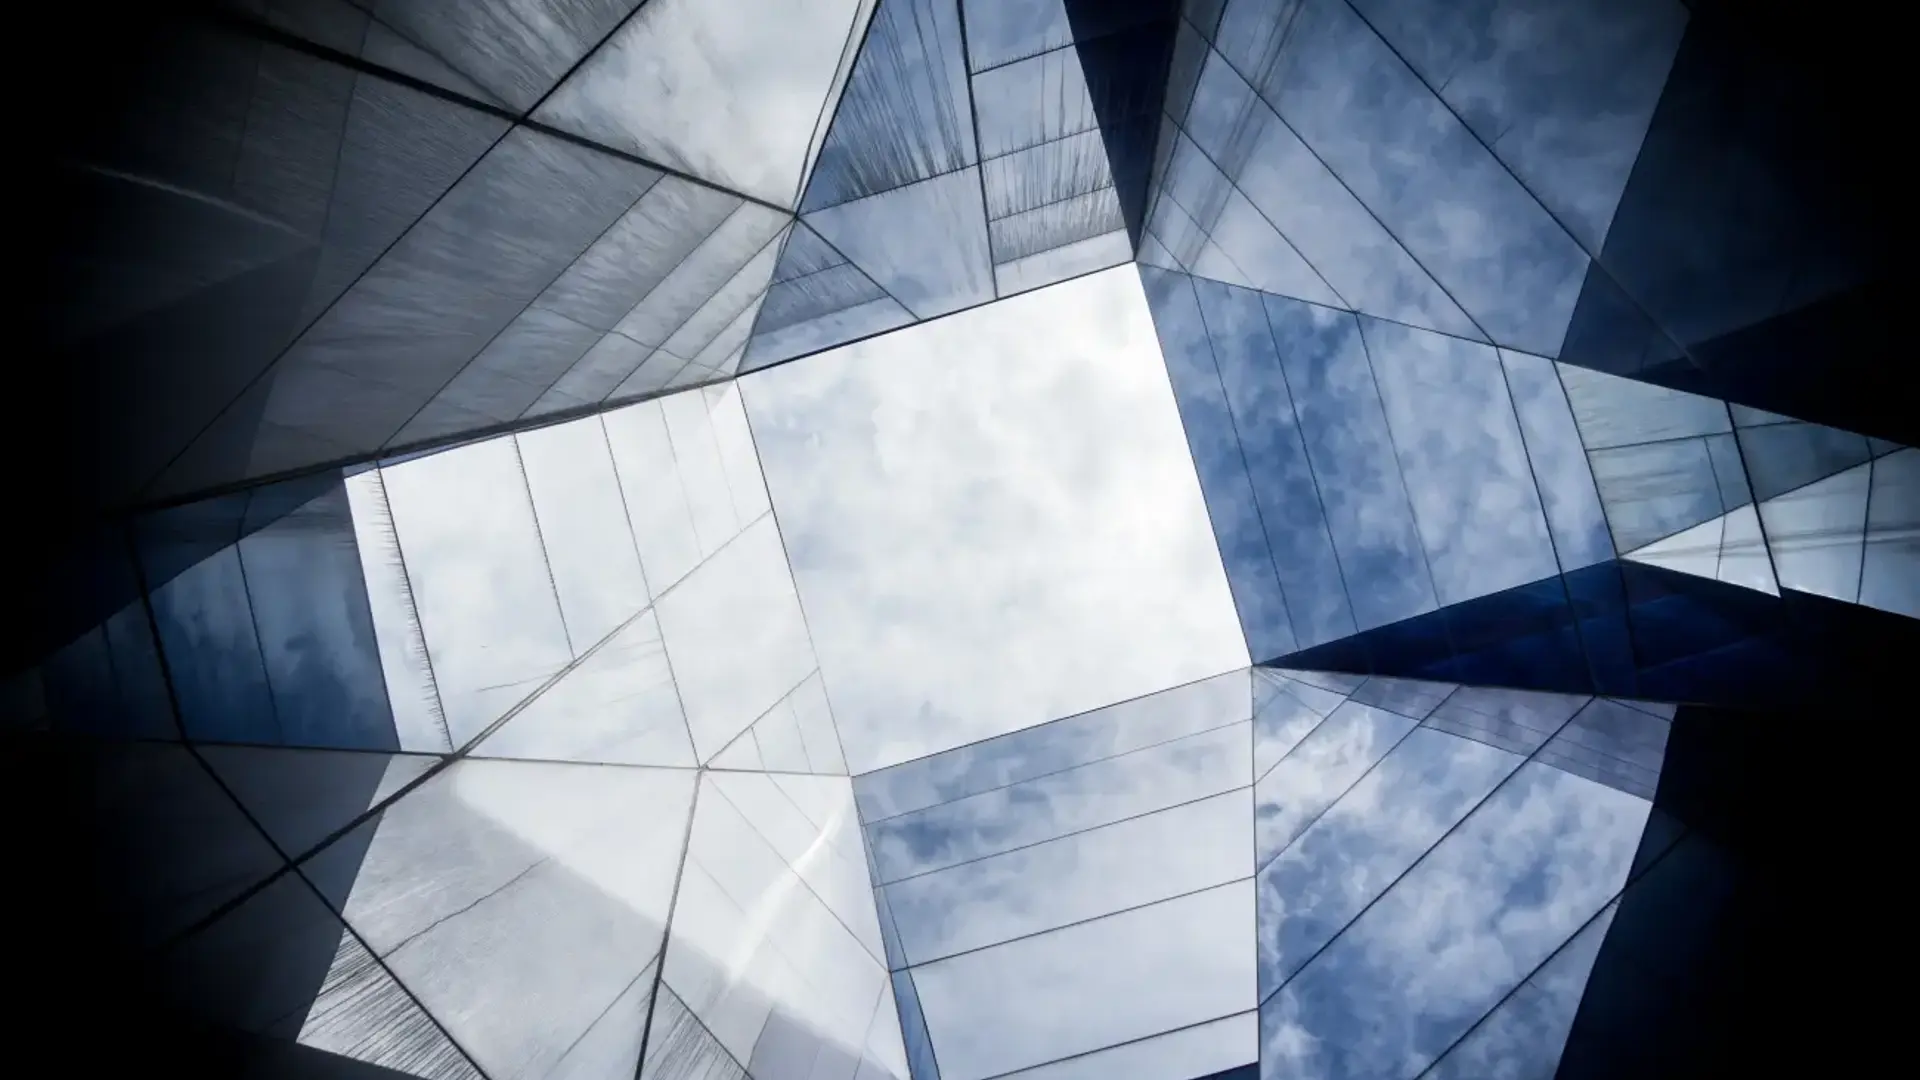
(946,539)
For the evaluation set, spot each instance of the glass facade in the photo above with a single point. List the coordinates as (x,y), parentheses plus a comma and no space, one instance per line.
(967,539)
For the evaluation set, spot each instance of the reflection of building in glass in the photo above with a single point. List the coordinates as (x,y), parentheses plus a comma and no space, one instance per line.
(967,539)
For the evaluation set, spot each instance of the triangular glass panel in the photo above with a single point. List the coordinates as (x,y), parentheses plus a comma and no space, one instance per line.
(817,300)
(1232,241)
(742,753)
(690,318)
(679,1046)
(618,706)
(925,244)
(520,902)
(826,854)
(730,93)
(906,114)
(1817,533)
(1693,551)
(1781,457)
(796,735)
(1525,1034)
(1320,217)
(302,797)
(753,941)
(281,965)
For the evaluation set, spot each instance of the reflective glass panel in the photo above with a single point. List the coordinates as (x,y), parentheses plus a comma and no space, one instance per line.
(1493,900)
(1135,974)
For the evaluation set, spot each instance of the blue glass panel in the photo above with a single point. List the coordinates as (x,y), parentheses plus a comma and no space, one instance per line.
(1283,484)
(1524,1036)
(1284,719)
(817,300)
(1419,647)
(1561,91)
(1495,898)
(1219,460)
(1062,803)
(1523,637)
(1615,411)
(1194,1053)
(1070,260)
(904,115)
(1890,574)
(1520,721)
(1240,245)
(1655,489)
(212,649)
(913,1028)
(1047,173)
(1001,31)
(1610,332)
(1598,599)
(1321,691)
(1781,457)
(824,331)
(1055,225)
(1675,615)
(811,296)
(1408,697)
(1033,101)
(1729,473)
(1613,744)
(1333,232)
(1559,461)
(1458,441)
(1319,771)
(1048,748)
(804,253)
(1408,157)
(309,607)
(1348,443)
(925,244)
(1332,681)
(1816,534)
(1139,973)
(889,933)
(1083,876)
(1364,843)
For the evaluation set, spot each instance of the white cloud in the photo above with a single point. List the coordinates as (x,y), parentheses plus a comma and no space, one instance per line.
(993,520)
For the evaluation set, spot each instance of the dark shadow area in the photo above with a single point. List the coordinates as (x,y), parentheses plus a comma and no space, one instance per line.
(1124,48)
(118,850)
(1705,971)
(1629,630)
(262,614)
(1757,229)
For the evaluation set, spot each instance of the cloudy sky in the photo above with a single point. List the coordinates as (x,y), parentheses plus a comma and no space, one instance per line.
(993,520)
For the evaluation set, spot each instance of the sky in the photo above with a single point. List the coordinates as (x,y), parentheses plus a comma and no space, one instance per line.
(993,520)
